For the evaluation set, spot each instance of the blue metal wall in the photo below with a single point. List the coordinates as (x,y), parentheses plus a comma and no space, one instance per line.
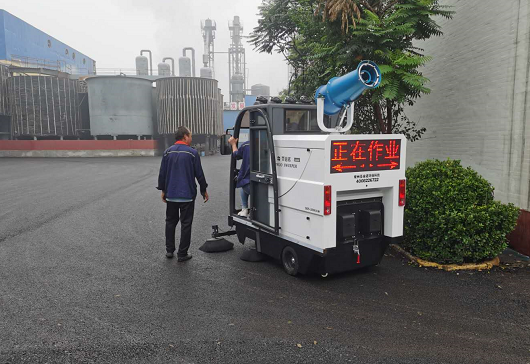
(250,100)
(229,116)
(19,39)
(229,119)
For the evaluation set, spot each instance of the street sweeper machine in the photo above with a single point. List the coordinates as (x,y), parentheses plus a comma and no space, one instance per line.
(321,199)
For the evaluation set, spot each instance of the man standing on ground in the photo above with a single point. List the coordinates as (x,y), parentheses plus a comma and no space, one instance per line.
(181,165)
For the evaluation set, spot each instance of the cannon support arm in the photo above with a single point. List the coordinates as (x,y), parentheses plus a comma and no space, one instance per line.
(338,129)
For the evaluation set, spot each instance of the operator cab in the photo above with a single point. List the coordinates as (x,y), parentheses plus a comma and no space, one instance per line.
(263,123)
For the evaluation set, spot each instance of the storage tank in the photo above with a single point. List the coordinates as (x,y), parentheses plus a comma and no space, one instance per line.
(260,90)
(190,101)
(184,67)
(206,72)
(44,106)
(238,88)
(120,106)
(4,100)
(142,66)
(164,69)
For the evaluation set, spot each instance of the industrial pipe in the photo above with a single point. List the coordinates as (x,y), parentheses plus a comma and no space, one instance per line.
(192,58)
(172,64)
(206,54)
(150,59)
(343,90)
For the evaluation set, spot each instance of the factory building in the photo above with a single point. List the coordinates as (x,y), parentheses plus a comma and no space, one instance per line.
(52,98)
(22,44)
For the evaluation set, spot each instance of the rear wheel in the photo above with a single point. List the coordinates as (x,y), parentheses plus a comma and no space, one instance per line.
(290,261)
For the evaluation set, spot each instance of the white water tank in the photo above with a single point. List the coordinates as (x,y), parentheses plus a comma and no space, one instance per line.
(260,90)
(206,72)
(142,66)
(164,69)
(184,67)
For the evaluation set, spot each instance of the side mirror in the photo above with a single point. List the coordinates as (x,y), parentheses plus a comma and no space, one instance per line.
(225,148)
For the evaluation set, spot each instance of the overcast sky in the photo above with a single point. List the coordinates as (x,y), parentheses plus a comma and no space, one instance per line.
(114,31)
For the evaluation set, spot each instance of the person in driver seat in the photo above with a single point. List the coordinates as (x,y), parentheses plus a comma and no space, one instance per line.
(243,178)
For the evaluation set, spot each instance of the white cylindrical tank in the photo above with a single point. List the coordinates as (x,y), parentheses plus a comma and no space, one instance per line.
(142,66)
(184,67)
(206,72)
(260,90)
(164,69)
(120,105)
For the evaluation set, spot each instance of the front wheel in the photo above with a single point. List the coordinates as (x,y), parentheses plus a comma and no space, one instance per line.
(290,261)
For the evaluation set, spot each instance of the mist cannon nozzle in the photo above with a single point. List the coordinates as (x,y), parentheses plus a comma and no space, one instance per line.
(343,90)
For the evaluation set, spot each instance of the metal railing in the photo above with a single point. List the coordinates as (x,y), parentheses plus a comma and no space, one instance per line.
(61,66)
(121,71)
(30,62)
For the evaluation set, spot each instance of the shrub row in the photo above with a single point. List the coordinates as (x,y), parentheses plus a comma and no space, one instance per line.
(451,216)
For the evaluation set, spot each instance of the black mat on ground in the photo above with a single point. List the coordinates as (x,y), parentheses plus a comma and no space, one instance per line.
(252,255)
(216,246)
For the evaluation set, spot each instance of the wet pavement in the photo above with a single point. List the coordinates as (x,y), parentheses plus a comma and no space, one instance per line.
(83,278)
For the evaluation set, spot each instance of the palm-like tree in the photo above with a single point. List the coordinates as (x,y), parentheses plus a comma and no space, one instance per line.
(346,10)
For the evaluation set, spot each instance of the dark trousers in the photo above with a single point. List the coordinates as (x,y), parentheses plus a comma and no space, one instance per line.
(176,211)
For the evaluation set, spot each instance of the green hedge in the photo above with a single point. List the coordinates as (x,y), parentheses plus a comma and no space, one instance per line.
(450,215)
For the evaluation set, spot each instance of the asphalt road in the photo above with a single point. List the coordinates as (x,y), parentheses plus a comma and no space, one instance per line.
(83,278)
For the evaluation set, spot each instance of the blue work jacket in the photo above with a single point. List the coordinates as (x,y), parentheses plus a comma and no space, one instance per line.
(243,178)
(181,165)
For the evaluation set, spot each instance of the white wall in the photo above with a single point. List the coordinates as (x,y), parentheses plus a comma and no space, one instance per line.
(479,107)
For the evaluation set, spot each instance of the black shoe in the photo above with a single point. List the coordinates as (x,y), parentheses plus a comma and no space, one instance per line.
(184,258)
(169,255)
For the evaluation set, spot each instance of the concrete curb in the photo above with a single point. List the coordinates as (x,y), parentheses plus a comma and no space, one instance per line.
(448,267)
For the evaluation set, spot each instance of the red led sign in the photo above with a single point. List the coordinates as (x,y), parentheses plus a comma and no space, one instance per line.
(365,155)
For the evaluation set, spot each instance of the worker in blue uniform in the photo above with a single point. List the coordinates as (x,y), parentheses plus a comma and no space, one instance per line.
(181,166)
(243,178)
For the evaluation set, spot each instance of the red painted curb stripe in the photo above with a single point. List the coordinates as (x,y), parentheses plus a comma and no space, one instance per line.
(76,144)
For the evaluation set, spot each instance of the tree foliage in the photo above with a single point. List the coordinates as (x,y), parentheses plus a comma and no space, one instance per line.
(325,38)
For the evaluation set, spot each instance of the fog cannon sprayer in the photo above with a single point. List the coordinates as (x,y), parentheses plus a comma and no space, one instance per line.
(343,90)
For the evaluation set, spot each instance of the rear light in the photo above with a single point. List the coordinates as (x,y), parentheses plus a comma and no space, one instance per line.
(327,200)
(402,192)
